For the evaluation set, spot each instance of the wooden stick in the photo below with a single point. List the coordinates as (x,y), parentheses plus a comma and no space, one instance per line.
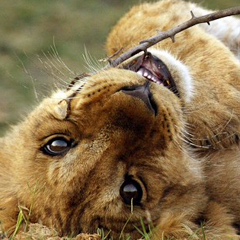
(144,45)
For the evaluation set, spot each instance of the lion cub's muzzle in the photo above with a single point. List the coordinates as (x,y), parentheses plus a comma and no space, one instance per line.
(153,70)
(143,93)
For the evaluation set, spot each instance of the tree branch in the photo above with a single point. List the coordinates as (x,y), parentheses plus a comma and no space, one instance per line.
(144,45)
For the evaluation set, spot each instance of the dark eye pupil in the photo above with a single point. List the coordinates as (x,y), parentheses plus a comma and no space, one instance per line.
(131,192)
(57,147)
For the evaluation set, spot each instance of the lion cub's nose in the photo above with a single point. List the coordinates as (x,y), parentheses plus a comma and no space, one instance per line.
(143,93)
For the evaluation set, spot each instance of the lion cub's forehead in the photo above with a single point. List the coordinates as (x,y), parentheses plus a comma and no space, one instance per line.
(90,89)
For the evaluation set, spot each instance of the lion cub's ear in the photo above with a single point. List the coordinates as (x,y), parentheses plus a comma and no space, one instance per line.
(58,106)
(60,111)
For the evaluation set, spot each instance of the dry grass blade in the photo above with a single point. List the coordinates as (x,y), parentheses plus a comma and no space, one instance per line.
(144,45)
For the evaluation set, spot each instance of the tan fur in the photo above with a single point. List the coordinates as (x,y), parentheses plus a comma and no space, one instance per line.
(116,136)
(213,113)
(80,191)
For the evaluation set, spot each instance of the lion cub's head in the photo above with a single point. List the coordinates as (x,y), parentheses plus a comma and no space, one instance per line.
(109,152)
(106,153)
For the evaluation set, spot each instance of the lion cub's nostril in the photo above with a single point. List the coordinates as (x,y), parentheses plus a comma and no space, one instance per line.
(143,93)
(131,192)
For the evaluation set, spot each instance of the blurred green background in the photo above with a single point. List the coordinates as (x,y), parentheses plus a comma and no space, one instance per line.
(34,32)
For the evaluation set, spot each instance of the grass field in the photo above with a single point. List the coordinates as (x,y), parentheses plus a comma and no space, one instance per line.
(30,28)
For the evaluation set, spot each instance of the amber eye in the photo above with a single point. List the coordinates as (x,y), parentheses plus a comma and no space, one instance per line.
(131,192)
(57,146)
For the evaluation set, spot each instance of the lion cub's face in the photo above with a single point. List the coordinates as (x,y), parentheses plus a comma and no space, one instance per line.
(107,153)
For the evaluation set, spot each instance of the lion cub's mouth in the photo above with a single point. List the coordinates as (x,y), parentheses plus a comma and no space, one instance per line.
(154,70)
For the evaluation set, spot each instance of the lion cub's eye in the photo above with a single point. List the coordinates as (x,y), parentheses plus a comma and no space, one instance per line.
(57,146)
(131,192)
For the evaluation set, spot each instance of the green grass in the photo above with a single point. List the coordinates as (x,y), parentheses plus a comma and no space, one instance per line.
(40,232)
(22,220)
(25,230)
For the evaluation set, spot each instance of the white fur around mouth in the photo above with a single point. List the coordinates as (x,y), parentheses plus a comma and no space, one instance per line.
(184,79)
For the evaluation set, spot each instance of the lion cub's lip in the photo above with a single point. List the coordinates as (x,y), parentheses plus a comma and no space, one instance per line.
(153,69)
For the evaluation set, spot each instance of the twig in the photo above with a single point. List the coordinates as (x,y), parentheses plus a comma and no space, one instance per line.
(144,45)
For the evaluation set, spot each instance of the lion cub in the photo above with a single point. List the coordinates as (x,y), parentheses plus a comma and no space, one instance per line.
(152,144)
